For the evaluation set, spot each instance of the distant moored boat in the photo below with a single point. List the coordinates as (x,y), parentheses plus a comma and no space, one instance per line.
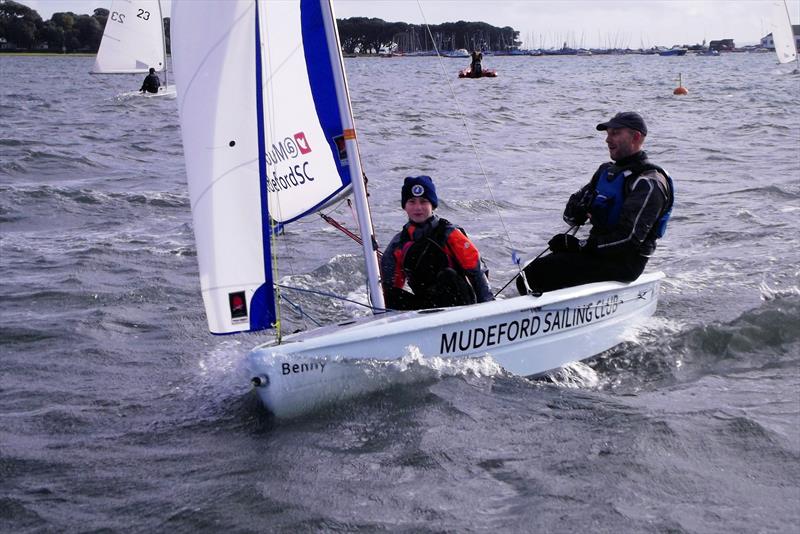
(677,51)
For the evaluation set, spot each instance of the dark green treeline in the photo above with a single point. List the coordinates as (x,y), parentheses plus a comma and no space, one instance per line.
(22,29)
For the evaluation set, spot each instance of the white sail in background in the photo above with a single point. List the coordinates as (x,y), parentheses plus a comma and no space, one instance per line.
(263,140)
(133,39)
(782,34)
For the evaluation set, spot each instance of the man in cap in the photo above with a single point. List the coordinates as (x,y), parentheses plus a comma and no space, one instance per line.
(628,203)
(435,258)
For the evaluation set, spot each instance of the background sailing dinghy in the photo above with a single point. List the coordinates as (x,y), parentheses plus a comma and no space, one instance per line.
(485,73)
(133,42)
(268,138)
(783,34)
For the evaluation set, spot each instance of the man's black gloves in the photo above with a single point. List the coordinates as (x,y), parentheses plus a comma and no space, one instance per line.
(570,243)
(578,205)
(564,243)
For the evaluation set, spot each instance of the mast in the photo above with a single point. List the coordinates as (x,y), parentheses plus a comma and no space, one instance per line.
(356,172)
(163,43)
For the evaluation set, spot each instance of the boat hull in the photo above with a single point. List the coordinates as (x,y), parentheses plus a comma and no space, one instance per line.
(525,335)
(165,90)
(673,52)
(485,73)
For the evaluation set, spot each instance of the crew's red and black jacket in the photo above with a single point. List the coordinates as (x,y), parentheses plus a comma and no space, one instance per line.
(417,253)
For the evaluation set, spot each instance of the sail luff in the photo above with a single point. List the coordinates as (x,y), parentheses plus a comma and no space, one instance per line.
(163,41)
(265,301)
(368,240)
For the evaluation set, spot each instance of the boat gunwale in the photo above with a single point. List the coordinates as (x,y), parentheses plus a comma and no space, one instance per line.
(352,331)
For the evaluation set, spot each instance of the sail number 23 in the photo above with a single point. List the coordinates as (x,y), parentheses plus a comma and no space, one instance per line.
(116,16)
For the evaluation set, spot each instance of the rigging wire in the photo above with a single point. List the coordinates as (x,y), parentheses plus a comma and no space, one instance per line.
(349,233)
(515,257)
(273,234)
(333,296)
(572,230)
(641,295)
(298,308)
(278,228)
(273,225)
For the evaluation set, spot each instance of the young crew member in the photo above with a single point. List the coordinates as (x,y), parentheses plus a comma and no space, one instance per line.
(433,257)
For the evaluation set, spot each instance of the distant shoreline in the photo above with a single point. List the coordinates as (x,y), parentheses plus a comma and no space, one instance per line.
(348,56)
(49,54)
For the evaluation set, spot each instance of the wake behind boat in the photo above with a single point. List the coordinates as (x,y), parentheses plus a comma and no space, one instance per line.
(268,139)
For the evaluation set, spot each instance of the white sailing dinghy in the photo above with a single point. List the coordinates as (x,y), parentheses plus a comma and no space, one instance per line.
(268,138)
(783,34)
(133,42)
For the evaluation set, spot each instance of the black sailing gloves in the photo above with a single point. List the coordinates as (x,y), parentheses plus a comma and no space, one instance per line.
(570,243)
(577,209)
(564,243)
(575,214)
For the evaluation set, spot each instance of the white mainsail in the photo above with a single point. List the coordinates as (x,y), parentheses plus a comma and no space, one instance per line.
(266,136)
(133,39)
(782,33)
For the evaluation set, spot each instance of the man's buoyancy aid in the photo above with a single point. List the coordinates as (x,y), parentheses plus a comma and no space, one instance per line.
(610,193)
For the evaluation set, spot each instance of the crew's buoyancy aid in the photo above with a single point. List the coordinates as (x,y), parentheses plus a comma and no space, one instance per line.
(423,259)
(610,195)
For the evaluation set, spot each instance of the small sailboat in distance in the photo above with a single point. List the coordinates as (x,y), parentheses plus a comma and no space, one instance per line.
(783,35)
(133,42)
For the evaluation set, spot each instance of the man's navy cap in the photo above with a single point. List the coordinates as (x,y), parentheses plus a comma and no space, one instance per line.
(626,119)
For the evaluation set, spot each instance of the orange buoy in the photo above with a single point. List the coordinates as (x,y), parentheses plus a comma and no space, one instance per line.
(680,90)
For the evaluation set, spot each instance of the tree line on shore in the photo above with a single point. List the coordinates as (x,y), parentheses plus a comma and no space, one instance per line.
(22,29)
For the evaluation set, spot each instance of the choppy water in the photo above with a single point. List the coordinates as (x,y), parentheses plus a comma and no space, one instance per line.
(118,412)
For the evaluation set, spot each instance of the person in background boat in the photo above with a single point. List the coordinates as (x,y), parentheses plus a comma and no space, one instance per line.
(476,70)
(628,203)
(151,82)
(436,258)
